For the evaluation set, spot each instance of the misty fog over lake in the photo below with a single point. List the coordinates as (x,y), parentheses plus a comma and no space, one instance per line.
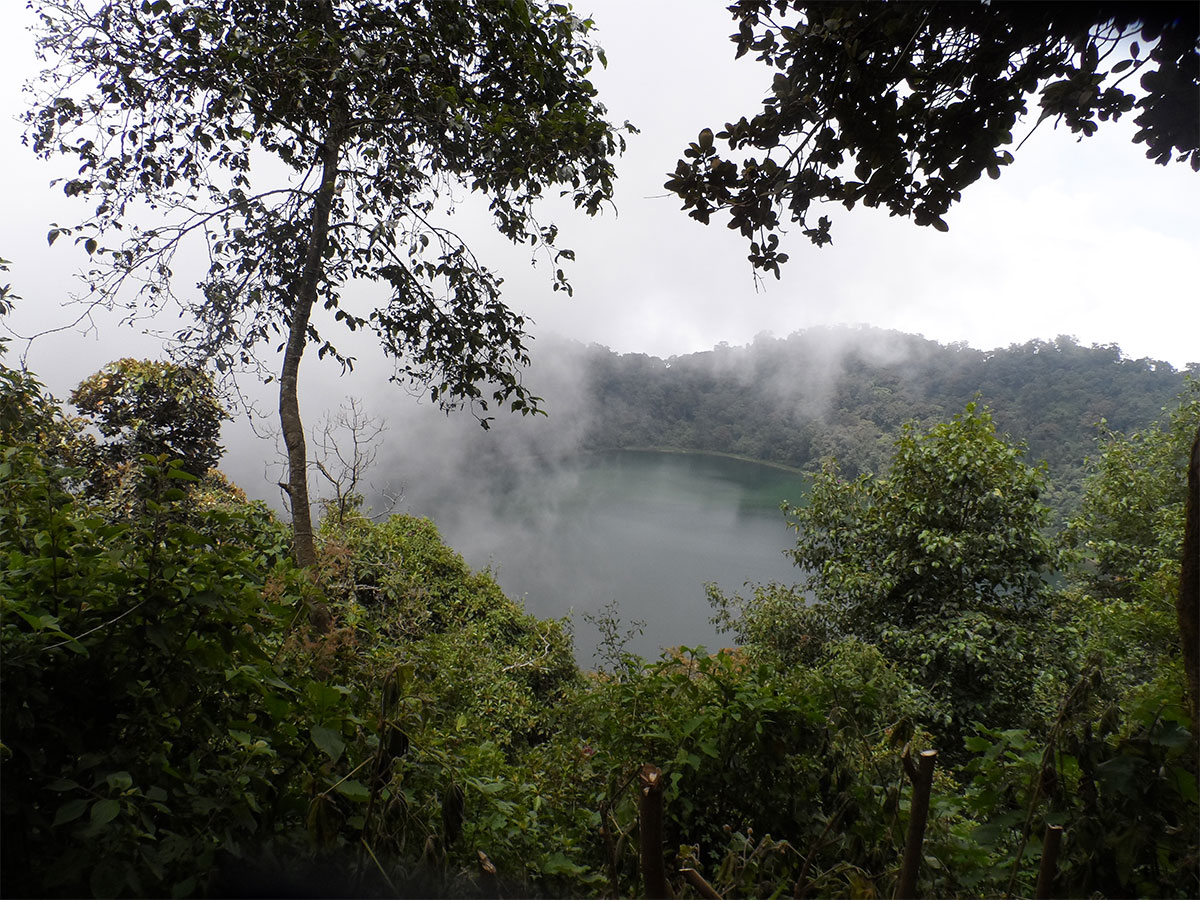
(568,532)
(645,529)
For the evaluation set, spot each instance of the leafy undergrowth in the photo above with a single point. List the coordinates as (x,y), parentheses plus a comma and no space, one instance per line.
(174,725)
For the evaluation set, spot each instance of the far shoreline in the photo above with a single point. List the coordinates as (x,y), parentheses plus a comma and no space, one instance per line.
(687,452)
(548,460)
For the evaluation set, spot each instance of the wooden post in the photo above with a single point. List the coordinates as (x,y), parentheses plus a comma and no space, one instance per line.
(1048,870)
(489,877)
(703,888)
(654,871)
(922,780)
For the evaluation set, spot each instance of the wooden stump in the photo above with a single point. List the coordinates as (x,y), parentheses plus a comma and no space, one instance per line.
(921,777)
(654,870)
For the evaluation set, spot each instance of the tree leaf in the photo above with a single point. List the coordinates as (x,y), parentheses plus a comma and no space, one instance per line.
(70,811)
(104,811)
(329,741)
(355,790)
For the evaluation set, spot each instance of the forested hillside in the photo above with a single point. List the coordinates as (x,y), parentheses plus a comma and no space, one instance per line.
(176,721)
(845,392)
(964,694)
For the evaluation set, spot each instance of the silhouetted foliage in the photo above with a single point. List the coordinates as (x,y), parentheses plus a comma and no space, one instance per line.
(922,98)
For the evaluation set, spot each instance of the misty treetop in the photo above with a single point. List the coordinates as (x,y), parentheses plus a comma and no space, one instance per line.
(154,407)
(846,393)
(306,144)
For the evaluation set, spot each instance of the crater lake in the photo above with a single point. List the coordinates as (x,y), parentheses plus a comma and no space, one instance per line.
(644,530)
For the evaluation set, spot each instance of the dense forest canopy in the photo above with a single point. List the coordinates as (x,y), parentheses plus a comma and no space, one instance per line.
(846,392)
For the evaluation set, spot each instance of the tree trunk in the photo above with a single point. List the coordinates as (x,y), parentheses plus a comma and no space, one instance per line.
(289,402)
(1188,606)
(306,298)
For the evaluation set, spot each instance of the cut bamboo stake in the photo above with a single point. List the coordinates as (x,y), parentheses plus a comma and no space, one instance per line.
(703,888)
(1048,870)
(922,781)
(654,870)
(489,877)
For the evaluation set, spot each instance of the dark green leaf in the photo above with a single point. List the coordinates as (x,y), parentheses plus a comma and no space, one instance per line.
(104,811)
(354,790)
(329,741)
(70,811)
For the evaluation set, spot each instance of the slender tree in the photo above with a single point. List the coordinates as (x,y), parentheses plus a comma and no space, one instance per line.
(1188,607)
(308,144)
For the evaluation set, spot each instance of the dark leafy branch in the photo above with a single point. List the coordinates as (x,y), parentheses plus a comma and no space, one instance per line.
(904,105)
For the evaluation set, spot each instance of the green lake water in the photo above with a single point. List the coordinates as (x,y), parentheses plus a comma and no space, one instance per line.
(642,528)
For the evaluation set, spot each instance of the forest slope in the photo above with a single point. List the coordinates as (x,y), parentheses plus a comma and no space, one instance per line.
(174,723)
(846,392)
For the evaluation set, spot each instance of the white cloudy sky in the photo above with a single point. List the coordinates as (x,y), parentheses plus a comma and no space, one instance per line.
(1087,239)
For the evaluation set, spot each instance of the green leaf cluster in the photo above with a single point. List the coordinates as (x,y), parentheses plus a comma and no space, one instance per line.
(157,408)
(1128,532)
(942,564)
